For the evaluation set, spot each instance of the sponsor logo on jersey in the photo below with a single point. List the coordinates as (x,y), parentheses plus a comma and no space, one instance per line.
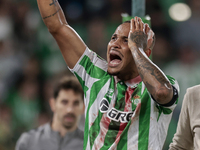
(121,116)
(104,105)
(113,113)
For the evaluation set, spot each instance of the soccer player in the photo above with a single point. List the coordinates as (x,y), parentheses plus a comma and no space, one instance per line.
(62,132)
(187,136)
(129,101)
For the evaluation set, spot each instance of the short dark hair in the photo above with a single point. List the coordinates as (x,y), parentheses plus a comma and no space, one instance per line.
(68,83)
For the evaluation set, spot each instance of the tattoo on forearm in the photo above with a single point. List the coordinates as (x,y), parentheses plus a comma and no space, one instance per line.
(53,3)
(144,65)
(156,73)
(139,38)
(52,14)
(149,86)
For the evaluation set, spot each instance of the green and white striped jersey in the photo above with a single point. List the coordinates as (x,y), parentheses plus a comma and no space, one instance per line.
(111,122)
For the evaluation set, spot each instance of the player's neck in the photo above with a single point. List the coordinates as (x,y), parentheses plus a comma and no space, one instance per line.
(126,77)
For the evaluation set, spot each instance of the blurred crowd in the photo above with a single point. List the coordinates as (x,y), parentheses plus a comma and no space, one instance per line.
(30,60)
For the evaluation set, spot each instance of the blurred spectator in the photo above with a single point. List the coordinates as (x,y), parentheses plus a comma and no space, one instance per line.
(187,133)
(187,33)
(24,97)
(5,128)
(97,41)
(48,53)
(25,25)
(162,52)
(186,70)
(9,64)
(47,88)
(116,8)
(62,132)
(7,61)
(6,23)
(25,105)
(158,21)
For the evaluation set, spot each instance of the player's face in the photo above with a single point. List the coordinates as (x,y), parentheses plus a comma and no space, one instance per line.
(119,57)
(68,108)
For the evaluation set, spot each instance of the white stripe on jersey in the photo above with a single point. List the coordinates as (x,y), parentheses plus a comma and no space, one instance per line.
(143,87)
(101,134)
(94,109)
(96,60)
(154,127)
(156,142)
(132,142)
(88,143)
(85,76)
(99,141)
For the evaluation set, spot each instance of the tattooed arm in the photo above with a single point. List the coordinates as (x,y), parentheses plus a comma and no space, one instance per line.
(69,42)
(140,43)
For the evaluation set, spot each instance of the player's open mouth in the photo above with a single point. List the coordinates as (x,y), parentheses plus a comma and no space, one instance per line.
(115,58)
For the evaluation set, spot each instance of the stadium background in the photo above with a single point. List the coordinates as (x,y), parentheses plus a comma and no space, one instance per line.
(30,61)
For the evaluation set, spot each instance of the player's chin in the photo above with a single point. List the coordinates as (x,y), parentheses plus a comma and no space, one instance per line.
(113,72)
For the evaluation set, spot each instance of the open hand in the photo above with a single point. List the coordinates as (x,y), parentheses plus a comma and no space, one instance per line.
(140,35)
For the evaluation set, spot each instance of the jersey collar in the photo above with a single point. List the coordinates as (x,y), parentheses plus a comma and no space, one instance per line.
(132,83)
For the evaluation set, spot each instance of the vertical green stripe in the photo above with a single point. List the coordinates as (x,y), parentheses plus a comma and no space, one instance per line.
(114,126)
(110,138)
(86,132)
(98,73)
(91,69)
(95,128)
(144,121)
(85,88)
(122,145)
(94,72)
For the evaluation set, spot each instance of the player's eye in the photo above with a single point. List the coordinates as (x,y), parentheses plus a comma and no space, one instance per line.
(113,38)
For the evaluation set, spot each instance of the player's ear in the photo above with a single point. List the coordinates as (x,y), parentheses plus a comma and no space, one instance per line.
(52,103)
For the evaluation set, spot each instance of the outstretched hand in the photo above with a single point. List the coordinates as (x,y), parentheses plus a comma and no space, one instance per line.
(140,35)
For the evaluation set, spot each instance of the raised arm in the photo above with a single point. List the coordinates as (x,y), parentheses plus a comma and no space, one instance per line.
(140,42)
(69,42)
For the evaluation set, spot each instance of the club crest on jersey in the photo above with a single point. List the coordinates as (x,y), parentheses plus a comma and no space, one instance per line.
(114,114)
(136,99)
